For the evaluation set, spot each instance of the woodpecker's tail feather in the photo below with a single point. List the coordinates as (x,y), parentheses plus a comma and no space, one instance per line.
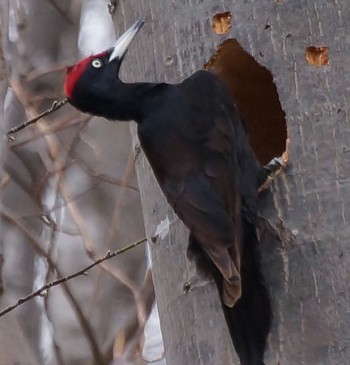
(250,318)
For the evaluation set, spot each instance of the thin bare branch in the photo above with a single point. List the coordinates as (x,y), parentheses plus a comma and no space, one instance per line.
(86,327)
(133,331)
(12,218)
(140,305)
(57,124)
(55,105)
(106,178)
(89,246)
(43,289)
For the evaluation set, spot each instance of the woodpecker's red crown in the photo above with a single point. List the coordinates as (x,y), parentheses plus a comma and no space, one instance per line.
(75,71)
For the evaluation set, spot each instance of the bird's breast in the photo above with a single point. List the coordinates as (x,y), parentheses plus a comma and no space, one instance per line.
(171,152)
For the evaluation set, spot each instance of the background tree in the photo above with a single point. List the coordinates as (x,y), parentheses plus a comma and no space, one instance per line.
(69,194)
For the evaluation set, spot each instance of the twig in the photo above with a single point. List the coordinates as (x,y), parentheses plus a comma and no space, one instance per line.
(55,105)
(118,274)
(106,178)
(134,330)
(85,325)
(57,124)
(84,271)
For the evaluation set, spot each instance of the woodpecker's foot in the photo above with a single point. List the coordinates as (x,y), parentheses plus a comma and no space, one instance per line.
(194,282)
(271,170)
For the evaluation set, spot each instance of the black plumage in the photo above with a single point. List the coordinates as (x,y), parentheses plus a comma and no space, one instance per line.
(198,149)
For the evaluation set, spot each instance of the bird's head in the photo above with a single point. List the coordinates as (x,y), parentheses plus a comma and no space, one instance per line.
(92,77)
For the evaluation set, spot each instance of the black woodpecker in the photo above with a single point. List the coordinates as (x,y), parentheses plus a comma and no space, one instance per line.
(198,149)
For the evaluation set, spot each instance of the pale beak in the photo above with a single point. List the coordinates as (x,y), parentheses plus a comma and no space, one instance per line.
(122,44)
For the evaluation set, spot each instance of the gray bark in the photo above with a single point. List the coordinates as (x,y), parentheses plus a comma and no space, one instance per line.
(304,218)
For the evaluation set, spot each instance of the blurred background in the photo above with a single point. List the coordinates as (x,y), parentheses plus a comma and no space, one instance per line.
(68,194)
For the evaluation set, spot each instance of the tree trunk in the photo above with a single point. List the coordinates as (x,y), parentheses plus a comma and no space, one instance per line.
(304,230)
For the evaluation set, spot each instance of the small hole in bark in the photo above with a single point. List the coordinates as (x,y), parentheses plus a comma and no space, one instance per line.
(255,95)
(317,56)
(221,22)
(169,61)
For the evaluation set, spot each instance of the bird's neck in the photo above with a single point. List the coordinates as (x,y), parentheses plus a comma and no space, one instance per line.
(133,101)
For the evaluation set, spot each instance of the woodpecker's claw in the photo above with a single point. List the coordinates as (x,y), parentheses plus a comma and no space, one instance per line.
(272,169)
(195,282)
(187,287)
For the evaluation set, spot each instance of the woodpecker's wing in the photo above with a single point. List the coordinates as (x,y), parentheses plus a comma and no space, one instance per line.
(206,197)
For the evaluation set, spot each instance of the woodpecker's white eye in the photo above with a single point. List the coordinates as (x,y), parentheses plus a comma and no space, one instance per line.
(97,63)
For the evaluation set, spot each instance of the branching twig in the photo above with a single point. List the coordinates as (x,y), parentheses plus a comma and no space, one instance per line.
(58,124)
(85,325)
(106,178)
(84,271)
(55,105)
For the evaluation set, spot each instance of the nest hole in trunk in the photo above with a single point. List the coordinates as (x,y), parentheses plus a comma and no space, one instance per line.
(255,95)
